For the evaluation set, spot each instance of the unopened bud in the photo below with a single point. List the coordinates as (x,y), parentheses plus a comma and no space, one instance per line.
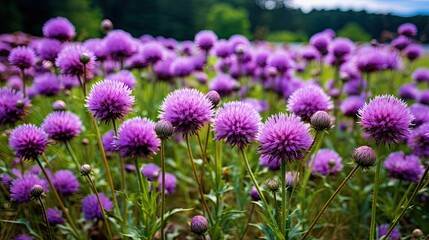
(213,97)
(59,105)
(106,25)
(84,58)
(164,129)
(85,169)
(85,141)
(199,225)
(364,156)
(36,191)
(254,194)
(19,104)
(273,185)
(417,233)
(320,121)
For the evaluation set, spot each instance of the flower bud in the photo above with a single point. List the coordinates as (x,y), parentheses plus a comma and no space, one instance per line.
(254,194)
(106,25)
(164,129)
(273,185)
(213,97)
(364,156)
(85,169)
(59,105)
(36,191)
(19,104)
(199,225)
(85,141)
(84,58)
(417,233)
(320,121)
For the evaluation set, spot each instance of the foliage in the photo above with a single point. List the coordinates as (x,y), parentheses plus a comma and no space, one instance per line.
(354,32)
(286,36)
(227,21)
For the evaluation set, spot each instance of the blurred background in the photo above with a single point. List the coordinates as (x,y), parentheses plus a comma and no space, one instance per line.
(273,20)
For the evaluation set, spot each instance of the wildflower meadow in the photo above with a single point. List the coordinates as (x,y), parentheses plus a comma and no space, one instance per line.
(121,137)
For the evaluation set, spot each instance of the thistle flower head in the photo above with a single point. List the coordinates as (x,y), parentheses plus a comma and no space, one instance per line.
(62,126)
(199,225)
(407,29)
(54,216)
(170,183)
(124,76)
(151,171)
(307,100)
(205,40)
(120,44)
(65,182)
(364,156)
(253,193)
(418,140)
(12,106)
(69,61)
(91,209)
(405,167)
(223,84)
(326,162)
(383,229)
(20,187)
(28,141)
(22,57)
(48,49)
(59,28)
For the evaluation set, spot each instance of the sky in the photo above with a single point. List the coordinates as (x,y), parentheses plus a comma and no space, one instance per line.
(396,7)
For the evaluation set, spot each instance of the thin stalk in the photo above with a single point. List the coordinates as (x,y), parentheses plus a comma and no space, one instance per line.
(47,163)
(46,217)
(375,195)
(283,179)
(23,82)
(106,221)
(138,172)
(204,161)
(194,169)
(248,221)
(329,201)
(72,155)
(60,202)
(84,80)
(124,183)
(405,208)
(163,189)
(403,198)
(276,207)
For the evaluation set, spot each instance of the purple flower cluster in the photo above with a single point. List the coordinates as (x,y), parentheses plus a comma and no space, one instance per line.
(20,187)
(405,167)
(91,209)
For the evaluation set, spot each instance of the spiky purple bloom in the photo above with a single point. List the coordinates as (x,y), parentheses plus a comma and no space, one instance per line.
(12,106)
(120,44)
(341,47)
(264,160)
(222,49)
(187,109)
(28,141)
(413,51)
(351,105)
(400,42)
(124,76)
(109,100)
(54,216)
(205,40)
(307,100)
(321,42)
(47,84)
(181,67)
(6,180)
(162,69)
(420,113)
(385,119)
(108,141)
(238,123)
(59,28)
(170,183)
(405,167)
(98,47)
(62,126)
(310,53)
(22,236)
(421,75)
(224,84)
(91,209)
(408,91)
(22,57)
(418,140)
(151,171)
(253,193)
(326,162)
(69,61)
(137,138)
(48,49)
(20,188)
(370,59)
(284,138)
(281,61)
(407,29)
(382,230)
(65,182)
(152,52)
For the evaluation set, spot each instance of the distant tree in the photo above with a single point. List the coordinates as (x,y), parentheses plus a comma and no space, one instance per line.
(286,36)
(226,20)
(354,32)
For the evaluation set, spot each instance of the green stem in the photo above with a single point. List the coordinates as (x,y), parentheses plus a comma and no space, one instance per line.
(138,172)
(163,190)
(405,208)
(23,82)
(60,202)
(329,201)
(248,221)
(72,155)
(403,198)
(48,165)
(46,217)
(106,221)
(283,179)
(375,195)
(124,183)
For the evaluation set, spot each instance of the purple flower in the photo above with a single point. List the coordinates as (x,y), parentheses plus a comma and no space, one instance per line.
(408,91)
(341,47)
(407,29)
(222,49)
(284,138)
(187,109)
(109,100)
(281,61)
(420,113)
(370,59)
(258,105)
(124,76)
(151,171)
(307,100)
(224,84)
(28,141)
(413,51)
(421,75)
(261,57)
(385,119)
(54,216)
(12,106)
(401,42)
(382,230)
(98,47)
(264,160)
(205,40)
(423,97)
(48,49)
(69,61)
(62,126)
(120,44)
(22,57)
(152,52)
(326,162)
(310,53)
(91,209)
(292,177)
(321,42)
(401,166)
(47,84)
(20,188)
(199,225)
(351,105)
(162,69)
(419,140)
(253,193)
(108,141)
(59,28)
(137,138)
(238,123)
(65,182)
(170,183)
(181,67)
(22,237)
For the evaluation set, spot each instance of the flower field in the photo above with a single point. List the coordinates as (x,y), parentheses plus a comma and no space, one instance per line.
(152,138)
